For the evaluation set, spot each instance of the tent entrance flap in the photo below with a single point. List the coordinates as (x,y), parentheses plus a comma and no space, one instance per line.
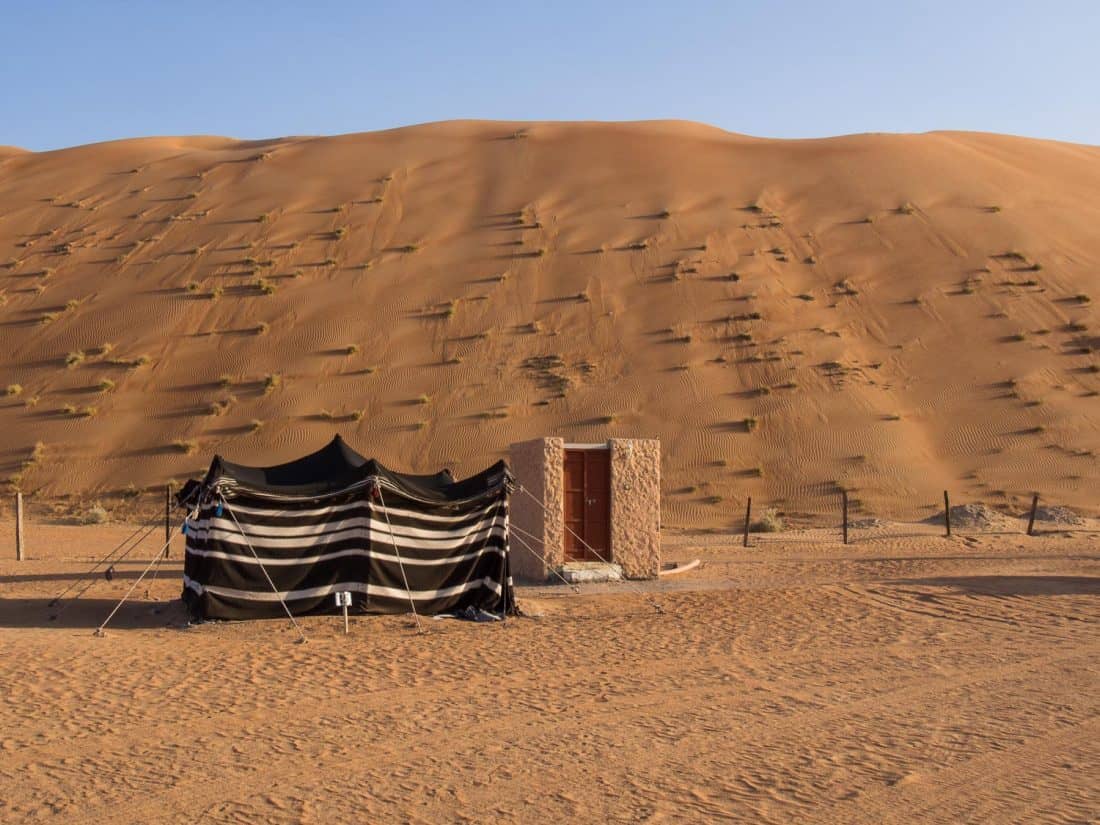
(314,528)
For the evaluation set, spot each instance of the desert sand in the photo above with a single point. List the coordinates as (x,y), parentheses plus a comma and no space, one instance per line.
(889,314)
(903,678)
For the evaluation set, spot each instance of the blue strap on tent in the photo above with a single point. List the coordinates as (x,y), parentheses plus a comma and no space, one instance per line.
(221,509)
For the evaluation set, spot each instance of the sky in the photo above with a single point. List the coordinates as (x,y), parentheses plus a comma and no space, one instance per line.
(82,72)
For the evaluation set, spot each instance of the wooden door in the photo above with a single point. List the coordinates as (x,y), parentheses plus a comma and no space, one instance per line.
(587,505)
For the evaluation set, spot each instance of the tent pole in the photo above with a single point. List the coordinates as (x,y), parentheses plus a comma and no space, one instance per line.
(400,563)
(504,566)
(159,554)
(274,589)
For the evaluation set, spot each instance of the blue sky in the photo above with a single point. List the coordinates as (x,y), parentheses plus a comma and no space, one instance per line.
(80,72)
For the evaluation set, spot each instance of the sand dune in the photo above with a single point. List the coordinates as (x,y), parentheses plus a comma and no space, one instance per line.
(892,314)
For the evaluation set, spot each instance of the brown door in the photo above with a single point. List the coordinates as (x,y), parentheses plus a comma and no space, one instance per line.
(587,505)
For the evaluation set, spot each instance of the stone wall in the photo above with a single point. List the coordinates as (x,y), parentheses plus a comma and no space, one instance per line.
(538,466)
(636,506)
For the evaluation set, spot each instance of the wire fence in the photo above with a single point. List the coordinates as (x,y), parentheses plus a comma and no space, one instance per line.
(846,518)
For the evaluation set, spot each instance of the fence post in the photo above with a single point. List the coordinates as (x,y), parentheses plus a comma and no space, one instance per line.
(1031,518)
(844,500)
(947,513)
(167,520)
(19,555)
(748,515)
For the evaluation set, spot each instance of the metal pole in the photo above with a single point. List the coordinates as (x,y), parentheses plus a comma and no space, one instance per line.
(167,522)
(844,497)
(748,515)
(1031,518)
(947,513)
(19,555)
(345,618)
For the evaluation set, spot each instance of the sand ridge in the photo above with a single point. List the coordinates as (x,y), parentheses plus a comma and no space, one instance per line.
(889,314)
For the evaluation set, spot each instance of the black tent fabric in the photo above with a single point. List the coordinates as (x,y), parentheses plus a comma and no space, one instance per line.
(296,533)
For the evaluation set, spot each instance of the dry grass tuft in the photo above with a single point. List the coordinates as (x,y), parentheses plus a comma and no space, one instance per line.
(770,521)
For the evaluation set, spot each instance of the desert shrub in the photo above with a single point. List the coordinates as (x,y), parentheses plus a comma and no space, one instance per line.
(184,446)
(770,521)
(750,424)
(13,390)
(272,381)
(96,514)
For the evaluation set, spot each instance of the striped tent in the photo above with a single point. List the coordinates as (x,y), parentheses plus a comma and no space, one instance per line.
(261,541)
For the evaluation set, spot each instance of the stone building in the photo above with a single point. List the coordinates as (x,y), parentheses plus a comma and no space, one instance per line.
(594,509)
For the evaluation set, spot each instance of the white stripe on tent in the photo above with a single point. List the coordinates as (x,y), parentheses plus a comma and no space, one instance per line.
(226,536)
(358,523)
(219,554)
(241,509)
(328,589)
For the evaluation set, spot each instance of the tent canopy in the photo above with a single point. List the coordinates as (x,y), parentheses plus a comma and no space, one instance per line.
(292,534)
